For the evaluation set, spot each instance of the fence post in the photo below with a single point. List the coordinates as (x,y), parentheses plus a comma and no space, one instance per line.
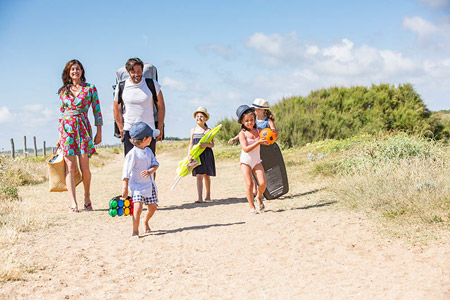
(13,151)
(44,151)
(35,147)
(25,153)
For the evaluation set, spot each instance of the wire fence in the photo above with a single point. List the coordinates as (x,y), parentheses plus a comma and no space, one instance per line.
(43,151)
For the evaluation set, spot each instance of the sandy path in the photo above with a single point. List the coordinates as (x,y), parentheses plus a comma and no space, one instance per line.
(300,248)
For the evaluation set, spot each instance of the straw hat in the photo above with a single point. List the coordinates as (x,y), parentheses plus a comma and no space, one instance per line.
(260,103)
(202,110)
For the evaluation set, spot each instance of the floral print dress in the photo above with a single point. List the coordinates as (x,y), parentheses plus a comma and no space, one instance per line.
(75,132)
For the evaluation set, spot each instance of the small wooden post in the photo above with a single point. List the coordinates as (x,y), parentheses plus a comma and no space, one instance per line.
(44,151)
(13,151)
(25,153)
(35,147)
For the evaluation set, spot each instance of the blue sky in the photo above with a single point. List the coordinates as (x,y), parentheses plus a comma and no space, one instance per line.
(218,54)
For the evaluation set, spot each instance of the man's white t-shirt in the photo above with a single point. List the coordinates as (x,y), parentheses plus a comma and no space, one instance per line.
(138,101)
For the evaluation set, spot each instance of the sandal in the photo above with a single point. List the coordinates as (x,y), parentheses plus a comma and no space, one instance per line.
(73,210)
(261,207)
(253,211)
(199,201)
(88,206)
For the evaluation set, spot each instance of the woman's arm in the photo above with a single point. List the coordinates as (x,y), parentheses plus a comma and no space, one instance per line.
(98,135)
(95,102)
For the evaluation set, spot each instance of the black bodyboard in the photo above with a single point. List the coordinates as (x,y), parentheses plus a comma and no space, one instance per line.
(276,177)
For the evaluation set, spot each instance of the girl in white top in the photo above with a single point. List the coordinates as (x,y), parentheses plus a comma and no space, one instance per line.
(250,159)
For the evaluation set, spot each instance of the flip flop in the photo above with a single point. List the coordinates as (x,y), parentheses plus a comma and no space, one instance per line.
(88,207)
(73,210)
(199,201)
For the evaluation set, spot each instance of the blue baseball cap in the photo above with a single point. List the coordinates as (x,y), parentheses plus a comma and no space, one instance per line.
(241,110)
(141,130)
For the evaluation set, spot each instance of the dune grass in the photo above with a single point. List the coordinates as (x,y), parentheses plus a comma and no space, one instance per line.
(400,180)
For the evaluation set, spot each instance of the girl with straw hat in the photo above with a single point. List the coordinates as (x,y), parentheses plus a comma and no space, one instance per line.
(207,167)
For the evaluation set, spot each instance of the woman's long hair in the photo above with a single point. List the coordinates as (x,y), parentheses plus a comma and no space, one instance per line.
(67,81)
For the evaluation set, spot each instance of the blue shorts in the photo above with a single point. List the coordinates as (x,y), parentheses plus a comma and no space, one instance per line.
(146,200)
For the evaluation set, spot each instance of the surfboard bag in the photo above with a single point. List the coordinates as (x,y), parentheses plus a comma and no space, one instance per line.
(150,72)
(276,177)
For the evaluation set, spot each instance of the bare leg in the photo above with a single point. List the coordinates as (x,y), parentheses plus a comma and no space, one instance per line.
(207,187)
(151,208)
(247,174)
(70,180)
(136,217)
(261,177)
(255,187)
(86,172)
(199,188)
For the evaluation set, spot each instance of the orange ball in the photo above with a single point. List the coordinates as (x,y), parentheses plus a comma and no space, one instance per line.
(267,135)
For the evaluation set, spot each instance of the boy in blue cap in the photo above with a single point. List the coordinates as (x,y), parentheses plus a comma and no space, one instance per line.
(138,169)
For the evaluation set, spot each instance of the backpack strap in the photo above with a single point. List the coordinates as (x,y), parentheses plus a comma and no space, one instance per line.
(119,96)
(151,86)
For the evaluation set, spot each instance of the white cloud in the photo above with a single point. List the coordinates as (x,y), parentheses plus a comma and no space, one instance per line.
(433,38)
(277,49)
(37,115)
(267,44)
(343,58)
(420,26)
(305,67)
(173,84)
(5,115)
(225,52)
(436,4)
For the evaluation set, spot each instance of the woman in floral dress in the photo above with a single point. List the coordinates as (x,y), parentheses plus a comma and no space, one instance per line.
(75,132)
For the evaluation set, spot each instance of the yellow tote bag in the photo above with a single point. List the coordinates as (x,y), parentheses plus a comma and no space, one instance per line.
(57,173)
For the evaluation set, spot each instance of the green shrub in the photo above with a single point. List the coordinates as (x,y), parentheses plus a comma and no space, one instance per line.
(338,113)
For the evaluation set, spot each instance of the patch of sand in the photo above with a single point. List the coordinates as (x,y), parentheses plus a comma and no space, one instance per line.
(300,248)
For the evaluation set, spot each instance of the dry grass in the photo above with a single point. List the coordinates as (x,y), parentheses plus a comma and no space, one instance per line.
(411,198)
(12,268)
(399,180)
(17,172)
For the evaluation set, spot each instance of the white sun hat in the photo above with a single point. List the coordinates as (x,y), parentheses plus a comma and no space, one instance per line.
(260,103)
